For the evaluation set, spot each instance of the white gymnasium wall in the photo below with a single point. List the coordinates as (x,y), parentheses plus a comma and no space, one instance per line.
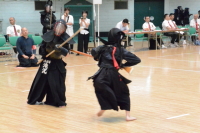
(25,14)
(110,17)
(193,5)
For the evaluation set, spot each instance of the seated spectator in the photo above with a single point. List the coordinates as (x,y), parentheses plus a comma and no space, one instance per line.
(149,26)
(13,30)
(167,27)
(24,48)
(195,23)
(123,26)
(173,24)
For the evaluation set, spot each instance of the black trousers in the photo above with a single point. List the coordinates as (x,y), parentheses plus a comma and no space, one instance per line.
(181,35)
(159,40)
(15,50)
(194,38)
(27,62)
(174,36)
(71,46)
(185,36)
(83,40)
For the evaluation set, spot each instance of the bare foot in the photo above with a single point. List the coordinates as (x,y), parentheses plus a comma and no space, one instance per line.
(130,118)
(100,113)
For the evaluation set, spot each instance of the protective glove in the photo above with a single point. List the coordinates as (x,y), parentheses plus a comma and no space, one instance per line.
(62,50)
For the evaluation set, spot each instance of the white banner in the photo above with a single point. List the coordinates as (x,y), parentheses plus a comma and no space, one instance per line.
(97,1)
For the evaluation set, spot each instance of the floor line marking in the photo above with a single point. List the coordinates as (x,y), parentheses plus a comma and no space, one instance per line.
(170,68)
(37,69)
(172,59)
(25,90)
(18,71)
(177,116)
(176,54)
(83,65)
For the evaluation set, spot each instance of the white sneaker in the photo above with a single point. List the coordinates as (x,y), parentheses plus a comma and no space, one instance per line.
(184,42)
(172,45)
(163,46)
(176,44)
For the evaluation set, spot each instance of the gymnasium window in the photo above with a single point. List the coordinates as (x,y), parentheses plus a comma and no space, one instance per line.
(39,5)
(120,5)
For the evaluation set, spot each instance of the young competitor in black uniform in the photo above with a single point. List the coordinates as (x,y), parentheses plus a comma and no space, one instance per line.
(110,86)
(50,78)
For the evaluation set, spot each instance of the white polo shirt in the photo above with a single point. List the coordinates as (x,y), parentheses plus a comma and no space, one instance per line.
(165,25)
(193,23)
(10,30)
(147,24)
(68,19)
(120,26)
(87,21)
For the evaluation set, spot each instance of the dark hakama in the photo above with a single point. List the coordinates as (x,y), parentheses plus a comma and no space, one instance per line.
(110,86)
(111,90)
(50,78)
(49,81)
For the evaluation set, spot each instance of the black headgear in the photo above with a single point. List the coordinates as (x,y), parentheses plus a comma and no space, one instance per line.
(179,7)
(49,2)
(48,6)
(115,36)
(59,27)
(186,10)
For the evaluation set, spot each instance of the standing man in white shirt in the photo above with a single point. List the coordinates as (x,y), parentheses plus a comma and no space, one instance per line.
(13,30)
(173,24)
(123,26)
(195,23)
(149,26)
(166,27)
(69,19)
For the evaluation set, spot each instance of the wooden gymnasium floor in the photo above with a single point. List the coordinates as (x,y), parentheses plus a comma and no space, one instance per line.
(165,97)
